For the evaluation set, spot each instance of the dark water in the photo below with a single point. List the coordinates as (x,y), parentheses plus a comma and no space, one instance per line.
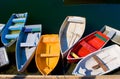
(71,2)
(51,13)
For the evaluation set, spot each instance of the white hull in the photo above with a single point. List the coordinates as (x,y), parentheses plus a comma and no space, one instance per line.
(3,57)
(116,37)
(70,32)
(99,62)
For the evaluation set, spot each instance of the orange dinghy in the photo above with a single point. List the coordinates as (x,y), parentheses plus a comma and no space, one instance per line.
(47,53)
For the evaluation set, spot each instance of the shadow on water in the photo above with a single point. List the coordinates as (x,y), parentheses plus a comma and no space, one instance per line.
(115,72)
(63,67)
(32,67)
(59,69)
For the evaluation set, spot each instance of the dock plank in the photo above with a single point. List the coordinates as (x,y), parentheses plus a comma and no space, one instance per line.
(58,77)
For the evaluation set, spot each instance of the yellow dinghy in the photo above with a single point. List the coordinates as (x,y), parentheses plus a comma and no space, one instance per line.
(47,53)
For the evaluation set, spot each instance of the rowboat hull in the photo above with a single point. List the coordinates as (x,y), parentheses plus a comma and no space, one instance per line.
(99,62)
(87,45)
(12,28)
(70,32)
(26,46)
(3,57)
(116,37)
(47,53)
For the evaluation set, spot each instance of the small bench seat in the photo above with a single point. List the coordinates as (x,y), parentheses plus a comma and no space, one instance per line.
(11,36)
(74,55)
(32,30)
(87,46)
(27,45)
(19,24)
(100,37)
(49,55)
(98,40)
(100,64)
(85,49)
(18,20)
(15,28)
(76,19)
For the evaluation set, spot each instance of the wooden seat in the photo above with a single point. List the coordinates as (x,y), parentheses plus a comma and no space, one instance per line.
(50,40)
(74,55)
(35,29)
(76,19)
(49,55)
(87,46)
(15,28)
(100,37)
(32,30)
(11,36)
(100,64)
(85,49)
(103,36)
(96,42)
(27,45)
(19,24)
(18,20)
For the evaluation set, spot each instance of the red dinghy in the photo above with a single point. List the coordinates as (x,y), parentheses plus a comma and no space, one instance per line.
(87,45)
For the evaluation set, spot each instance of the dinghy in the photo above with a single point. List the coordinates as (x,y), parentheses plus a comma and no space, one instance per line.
(47,53)
(116,37)
(100,62)
(3,57)
(26,45)
(87,45)
(70,32)
(12,28)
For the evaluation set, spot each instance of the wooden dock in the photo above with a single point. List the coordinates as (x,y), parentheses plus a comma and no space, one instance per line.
(58,77)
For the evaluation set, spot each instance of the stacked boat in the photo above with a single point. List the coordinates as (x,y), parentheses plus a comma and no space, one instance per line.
(9,33)
(87,52)
(99,62)
(74,49)
(88,44)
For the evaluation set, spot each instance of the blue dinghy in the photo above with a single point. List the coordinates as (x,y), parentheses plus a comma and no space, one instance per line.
(12,28)
(26,45)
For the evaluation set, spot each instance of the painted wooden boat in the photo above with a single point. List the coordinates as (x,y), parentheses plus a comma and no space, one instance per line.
(99,62)
(70,32)
(88,44)
(47,53)
(12,28)
(116,37)
(3,57)
(26,45)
